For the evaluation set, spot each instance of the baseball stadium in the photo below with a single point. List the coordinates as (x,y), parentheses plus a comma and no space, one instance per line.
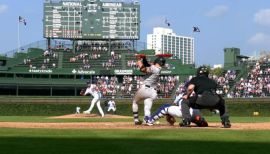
(92,47)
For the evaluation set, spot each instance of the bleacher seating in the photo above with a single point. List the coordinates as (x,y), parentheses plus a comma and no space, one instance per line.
(95,57)
(257,84)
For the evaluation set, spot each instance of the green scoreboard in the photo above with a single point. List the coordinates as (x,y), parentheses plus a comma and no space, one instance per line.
(91,19)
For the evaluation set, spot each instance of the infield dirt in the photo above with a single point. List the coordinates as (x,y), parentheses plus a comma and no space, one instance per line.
(122,125)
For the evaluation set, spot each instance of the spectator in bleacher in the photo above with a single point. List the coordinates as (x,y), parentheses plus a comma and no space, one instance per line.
(256,83)
(53,65)
(46,53)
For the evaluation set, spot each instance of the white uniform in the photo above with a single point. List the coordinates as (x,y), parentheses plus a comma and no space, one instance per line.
(147,92)
(173,110)
(111,106)
(176,110)
(92,89)
(78,110)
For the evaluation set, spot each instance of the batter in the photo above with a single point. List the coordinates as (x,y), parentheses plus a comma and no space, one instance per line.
(148,91)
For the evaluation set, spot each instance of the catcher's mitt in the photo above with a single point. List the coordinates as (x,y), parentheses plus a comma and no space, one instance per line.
(199,121)
(82,92)
(170,119)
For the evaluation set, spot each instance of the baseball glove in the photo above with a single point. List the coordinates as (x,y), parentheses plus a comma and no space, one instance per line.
(82,92)
(170,119)
(199,121)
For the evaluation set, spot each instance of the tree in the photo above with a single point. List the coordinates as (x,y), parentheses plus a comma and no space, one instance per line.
(217,71)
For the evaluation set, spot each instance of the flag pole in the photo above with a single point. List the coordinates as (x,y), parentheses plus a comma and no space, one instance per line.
(192,34)
(18,37)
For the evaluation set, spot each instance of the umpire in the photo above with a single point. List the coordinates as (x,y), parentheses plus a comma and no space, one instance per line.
(205,98)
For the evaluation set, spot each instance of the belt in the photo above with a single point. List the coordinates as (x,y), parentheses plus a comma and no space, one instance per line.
(150,87)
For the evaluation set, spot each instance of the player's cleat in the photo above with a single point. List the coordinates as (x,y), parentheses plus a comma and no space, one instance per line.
(148,123)
(185,123)
(138,122)
(86,112)
(147,120)
(226,124)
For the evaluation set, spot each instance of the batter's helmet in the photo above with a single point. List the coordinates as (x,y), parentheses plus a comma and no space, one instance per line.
(160,60)
(203,71)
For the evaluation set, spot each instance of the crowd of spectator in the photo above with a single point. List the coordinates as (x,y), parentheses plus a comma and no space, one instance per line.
(224,80)
(257,84)
(107,85)
(104,46)
(167,85)
(132,63)
(48,60)
(111,61)
(110,86)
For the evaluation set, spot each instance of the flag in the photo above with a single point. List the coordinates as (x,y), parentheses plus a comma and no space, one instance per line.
(167,23)
(196,29)
(22,20)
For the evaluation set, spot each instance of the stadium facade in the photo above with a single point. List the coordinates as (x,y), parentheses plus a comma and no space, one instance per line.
(102,51)
(164,40)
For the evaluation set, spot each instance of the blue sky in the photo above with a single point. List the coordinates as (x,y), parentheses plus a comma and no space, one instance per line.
(244,24)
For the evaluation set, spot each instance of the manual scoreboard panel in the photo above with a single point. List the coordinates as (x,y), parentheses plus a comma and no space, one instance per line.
(91,19)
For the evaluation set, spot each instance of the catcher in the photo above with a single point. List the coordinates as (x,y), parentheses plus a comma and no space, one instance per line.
(172,111)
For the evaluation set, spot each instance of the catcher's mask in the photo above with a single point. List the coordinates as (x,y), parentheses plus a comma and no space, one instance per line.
(202,71)
(160,60)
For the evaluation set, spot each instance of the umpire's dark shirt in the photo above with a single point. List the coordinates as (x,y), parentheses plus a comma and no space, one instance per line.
(203,83)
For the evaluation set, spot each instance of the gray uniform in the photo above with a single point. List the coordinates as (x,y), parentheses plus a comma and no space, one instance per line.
(147,92)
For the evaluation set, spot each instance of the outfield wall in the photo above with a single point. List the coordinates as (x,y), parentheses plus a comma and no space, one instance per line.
(49,106)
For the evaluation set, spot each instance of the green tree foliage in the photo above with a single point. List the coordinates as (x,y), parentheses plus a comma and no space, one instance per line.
(217,71)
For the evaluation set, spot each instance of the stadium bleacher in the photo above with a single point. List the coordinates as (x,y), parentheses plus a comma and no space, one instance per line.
(257,82)
(52,70)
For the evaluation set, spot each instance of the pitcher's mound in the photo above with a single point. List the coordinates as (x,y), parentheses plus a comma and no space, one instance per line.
(78,116)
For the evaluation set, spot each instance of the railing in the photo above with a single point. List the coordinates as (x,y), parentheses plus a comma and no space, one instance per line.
(42,44)
(38,44)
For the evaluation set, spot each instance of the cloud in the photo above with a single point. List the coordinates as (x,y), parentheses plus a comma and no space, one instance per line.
(260,39)
(3,8)
(217,11)
(262,17)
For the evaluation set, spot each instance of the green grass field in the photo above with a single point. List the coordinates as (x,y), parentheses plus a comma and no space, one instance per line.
(182,140)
